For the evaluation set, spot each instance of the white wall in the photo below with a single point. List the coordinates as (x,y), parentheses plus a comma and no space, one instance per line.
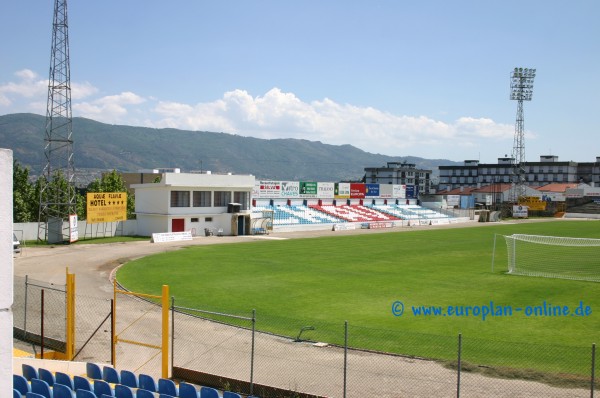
(6,272)
(29,230)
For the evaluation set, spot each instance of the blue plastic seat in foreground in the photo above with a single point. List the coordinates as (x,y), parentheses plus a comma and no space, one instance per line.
(111,375)
(147,382)
(82,383)
(33,395)
(229,394)
(129,379)
(208,392)
(93,371)
(21,384)
(41,387)
(62,391)
(84,394)
(141,393)
(16,393)
(165,396)
(187,390)
(122,391)
(102,387)
(64,379)
(47,376)
(29,372)
(167,386)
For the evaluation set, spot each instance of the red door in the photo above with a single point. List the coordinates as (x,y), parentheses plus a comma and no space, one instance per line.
(177,225)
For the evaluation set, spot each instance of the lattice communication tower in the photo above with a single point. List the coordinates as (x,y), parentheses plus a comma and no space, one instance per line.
(521,89)
(57,194)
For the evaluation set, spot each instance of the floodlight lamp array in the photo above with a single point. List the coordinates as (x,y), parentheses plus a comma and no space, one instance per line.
(521,84)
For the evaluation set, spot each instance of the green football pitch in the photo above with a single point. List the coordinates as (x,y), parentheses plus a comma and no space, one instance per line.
(323,282)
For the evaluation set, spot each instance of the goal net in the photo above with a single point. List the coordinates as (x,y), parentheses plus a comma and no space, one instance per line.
(554,257)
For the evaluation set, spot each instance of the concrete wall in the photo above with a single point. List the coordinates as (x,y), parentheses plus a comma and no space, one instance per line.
(6,272)
(29,231)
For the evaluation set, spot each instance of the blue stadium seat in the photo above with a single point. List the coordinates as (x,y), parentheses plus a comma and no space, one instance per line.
(82,383)
(147,382)
(93,371)
(62,391)
(47,376)
(16,393)
(141,393)
(64,379)
(167,386)
(187,390)
(41,387)
(111,375)
(129,379)
(229,394)
(165,396)
(102,387)
(21,384)
(84,394)
(29,372)
(208,392)
(33,395)
(122,391)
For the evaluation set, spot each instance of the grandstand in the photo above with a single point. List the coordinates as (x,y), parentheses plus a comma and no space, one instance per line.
(354,213)
(296,215)
(409,212)
(319,214)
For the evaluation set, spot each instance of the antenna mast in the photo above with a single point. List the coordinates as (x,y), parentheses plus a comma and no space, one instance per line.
(57,193)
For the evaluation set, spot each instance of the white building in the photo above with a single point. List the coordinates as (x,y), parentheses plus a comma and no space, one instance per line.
(194,202)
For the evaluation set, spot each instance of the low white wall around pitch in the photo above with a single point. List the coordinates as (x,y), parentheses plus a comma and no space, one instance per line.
(6,272)
(29,230)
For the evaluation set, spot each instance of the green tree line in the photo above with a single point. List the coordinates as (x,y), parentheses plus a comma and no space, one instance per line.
(26,193)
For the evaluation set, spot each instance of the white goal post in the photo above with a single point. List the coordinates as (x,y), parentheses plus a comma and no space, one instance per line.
(554,257)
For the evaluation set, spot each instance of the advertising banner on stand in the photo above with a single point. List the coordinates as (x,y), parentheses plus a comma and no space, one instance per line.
(290,189)
(341,190)
(325,190)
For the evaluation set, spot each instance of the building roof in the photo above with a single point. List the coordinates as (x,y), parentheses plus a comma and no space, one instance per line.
(557,187)
(493,188)
(457,191)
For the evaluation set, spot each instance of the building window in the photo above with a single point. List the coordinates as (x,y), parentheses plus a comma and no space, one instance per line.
(242,199)
(180,198)
(222,198)
(195,219)
(202,199)
(207,219)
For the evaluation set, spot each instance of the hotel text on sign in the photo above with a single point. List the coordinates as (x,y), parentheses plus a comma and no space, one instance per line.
(106,207)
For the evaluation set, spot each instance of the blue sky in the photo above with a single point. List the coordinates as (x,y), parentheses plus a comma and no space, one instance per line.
(419,78)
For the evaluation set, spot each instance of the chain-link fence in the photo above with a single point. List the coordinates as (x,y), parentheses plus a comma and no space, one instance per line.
(276,357)
(39,313)
(326,359)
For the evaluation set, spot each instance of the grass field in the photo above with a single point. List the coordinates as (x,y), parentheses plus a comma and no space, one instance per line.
(323,282)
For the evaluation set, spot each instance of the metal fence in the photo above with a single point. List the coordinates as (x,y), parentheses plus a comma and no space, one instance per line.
(39,311)
(272,356)
(256,351)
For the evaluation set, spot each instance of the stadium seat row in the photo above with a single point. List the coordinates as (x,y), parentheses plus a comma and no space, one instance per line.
(106,381)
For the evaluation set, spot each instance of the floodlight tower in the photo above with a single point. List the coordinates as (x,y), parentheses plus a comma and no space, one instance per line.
(521,89)
(57,193)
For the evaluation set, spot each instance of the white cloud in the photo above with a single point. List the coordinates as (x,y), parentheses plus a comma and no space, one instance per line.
(276,114)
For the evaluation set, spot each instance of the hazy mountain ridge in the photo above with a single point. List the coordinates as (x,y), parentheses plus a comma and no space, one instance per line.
(99,146)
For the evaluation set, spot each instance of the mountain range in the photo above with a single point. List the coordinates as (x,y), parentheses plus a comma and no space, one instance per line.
(100,147)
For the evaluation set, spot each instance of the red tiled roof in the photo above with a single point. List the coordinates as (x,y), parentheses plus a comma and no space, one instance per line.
(557,187)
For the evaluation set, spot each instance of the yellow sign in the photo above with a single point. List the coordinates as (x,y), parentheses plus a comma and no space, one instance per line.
(106,207)
(533,202)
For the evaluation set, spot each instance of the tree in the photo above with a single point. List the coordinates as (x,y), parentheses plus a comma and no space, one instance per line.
(113,182)
(25,203)
(57,193)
